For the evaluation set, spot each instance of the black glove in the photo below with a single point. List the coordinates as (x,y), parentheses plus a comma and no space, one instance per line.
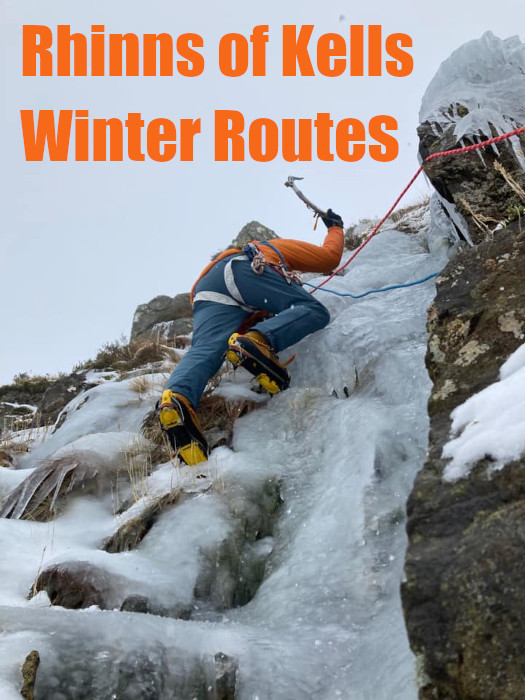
(332,219)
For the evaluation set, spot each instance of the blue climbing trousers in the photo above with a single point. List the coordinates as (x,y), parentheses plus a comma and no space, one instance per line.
(224,298)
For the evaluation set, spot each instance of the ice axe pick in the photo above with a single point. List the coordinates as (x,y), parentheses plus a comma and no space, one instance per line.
(290,182)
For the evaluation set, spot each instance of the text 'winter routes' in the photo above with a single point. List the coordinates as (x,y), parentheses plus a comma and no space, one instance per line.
(363,52)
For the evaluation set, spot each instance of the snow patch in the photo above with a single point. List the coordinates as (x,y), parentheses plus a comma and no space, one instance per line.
(491,423)
(32,409)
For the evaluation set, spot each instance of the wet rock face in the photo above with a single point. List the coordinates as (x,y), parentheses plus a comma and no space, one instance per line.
(59,394)
(465,574)
(477,319)
(464,594)
(474,182)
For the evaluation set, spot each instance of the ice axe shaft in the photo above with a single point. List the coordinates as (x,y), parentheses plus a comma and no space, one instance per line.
(290,182)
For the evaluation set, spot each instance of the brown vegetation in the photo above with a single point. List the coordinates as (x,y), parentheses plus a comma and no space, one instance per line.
(121,356)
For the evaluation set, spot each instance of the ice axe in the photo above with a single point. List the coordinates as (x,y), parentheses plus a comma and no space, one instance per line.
(290,182)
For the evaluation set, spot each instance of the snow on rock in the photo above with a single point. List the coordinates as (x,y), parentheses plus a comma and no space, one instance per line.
(29,407)
(97,376)
(491,423)
(515,362)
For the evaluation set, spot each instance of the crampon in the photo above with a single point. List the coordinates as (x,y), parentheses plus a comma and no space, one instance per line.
(181,425)
(252,352)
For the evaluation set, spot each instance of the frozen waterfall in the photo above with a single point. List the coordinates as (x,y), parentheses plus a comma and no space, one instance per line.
(344,443)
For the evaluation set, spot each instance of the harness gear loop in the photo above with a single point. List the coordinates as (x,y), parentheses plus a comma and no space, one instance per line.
(289,275)
(255,256)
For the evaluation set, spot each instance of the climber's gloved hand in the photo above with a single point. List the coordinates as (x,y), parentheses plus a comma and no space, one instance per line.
(332,219)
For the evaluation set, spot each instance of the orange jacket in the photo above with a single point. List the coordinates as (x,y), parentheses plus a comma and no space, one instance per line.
(298,255)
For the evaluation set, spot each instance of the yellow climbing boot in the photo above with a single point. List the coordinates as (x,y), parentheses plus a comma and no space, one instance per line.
(178,419)
(253,352)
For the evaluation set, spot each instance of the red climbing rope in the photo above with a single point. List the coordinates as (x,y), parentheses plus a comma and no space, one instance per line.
(454,151)
(475,146)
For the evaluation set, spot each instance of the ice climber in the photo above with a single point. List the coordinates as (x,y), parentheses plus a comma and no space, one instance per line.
(258,283)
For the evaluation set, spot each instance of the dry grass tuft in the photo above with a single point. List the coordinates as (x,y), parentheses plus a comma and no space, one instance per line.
(511,182)
(141,384)
(418,203)
(6,457)
(10,448)
(122,356)
(479,219)
(13,444)
(139,466)
(151,428)
(217,416)
(152,431)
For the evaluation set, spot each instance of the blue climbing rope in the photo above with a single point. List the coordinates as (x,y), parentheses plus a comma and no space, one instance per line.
(347,294)
(373,291)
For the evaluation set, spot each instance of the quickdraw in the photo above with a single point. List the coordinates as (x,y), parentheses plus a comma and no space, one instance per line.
(259,262)
(256,258)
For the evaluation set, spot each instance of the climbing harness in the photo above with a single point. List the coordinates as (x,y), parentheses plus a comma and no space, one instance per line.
(234,296)
(256,258)
(259,262)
